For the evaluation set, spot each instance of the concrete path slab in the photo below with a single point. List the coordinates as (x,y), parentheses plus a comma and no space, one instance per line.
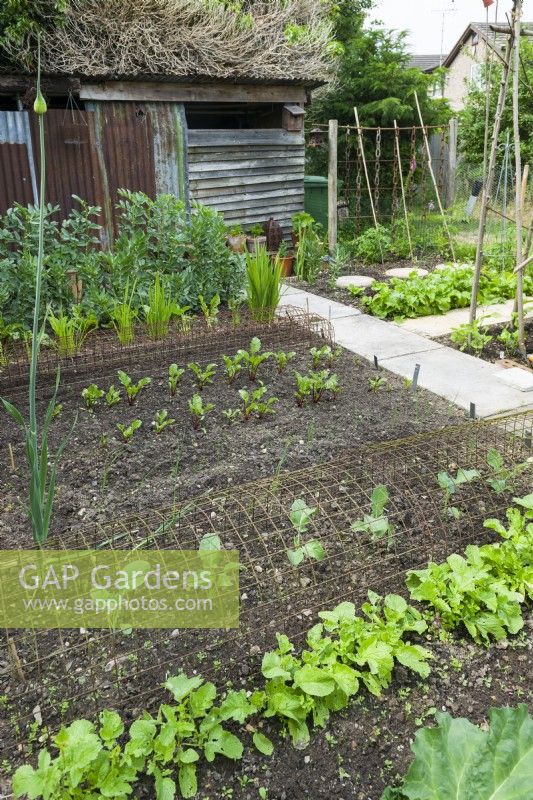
(368,337)
(518,378)
(443,324)
(460,378)
(328,309)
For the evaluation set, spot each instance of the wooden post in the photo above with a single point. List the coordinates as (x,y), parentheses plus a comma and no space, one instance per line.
(399,157)
(433,178)
(452,162)
(332,185)
(489,177)
(521,180)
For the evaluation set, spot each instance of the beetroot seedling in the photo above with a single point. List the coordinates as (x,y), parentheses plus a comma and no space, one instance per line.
(232,414)
(128,431)
(232,367)
(282,359)
(251,401)
(132,389)
(203,376)
(253,358)
(113,396)
(199,410)
(175,375)
(91,395)
(162,421)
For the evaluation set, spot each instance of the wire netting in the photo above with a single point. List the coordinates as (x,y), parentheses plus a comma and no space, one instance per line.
(66,673)
(103,352)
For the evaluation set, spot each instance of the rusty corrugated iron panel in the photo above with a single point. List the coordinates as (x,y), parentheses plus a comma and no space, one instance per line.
(17,174)
(169,127)
(127,141)
(72,160)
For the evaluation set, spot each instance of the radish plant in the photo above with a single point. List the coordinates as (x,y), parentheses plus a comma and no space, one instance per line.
(91,395)
(128,431)
(162,421)
(132,389)
(203,377)
(175,375)
(199,410)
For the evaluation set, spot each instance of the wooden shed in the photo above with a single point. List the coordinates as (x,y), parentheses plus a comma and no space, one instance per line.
(230,135)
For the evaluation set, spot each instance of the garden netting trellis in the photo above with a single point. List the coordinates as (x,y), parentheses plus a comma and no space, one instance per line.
(59,674)
(458,179)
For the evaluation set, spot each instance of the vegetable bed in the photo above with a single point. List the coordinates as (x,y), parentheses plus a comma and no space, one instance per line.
(107,490)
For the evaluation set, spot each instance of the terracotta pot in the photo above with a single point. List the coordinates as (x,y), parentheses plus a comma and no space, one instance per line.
(286,263)
(253,242)
(237,244)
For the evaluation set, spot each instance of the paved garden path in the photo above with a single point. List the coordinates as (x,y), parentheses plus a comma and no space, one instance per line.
(456,376)
(442,324)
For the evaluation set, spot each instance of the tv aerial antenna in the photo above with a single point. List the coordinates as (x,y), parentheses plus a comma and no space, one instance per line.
(444,11)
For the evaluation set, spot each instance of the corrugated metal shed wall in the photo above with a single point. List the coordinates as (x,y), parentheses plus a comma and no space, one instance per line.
(248,175)
(17,170)
(93,153)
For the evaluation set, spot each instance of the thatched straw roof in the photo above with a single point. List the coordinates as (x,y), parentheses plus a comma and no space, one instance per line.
(268,40)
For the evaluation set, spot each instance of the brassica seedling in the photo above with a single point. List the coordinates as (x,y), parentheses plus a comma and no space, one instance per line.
(449,485)
(300,518)
(376,523)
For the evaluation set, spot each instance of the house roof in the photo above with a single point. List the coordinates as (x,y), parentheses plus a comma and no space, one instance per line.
(495,40)
(427,63)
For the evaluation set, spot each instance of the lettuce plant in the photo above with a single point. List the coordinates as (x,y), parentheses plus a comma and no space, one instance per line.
(484,589)
(450,484)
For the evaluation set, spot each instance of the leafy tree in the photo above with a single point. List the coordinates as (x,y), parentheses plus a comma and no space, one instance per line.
(472,118)
(374,75)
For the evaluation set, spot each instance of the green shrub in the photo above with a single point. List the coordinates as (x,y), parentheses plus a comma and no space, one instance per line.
(374,245)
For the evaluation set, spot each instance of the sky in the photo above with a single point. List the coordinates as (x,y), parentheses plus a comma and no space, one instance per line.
(423,19)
